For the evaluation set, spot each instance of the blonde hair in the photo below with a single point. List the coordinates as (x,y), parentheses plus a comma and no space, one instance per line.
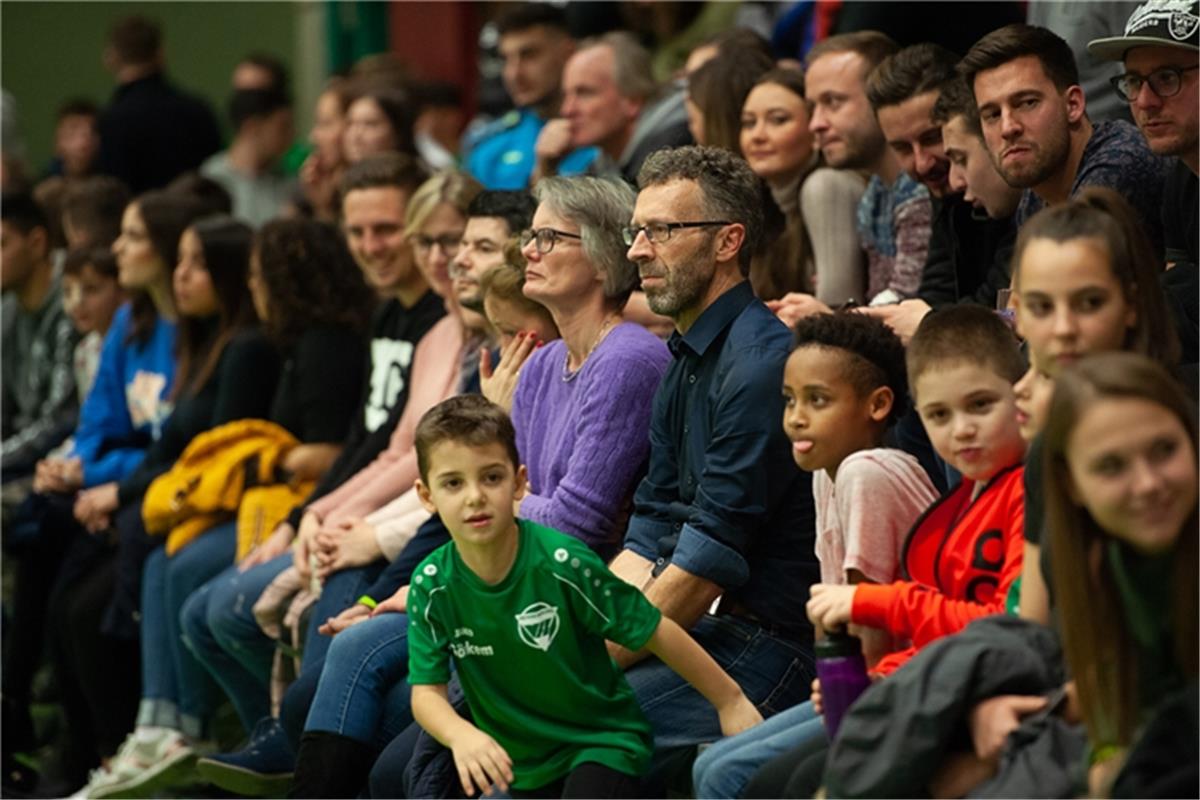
(457,189)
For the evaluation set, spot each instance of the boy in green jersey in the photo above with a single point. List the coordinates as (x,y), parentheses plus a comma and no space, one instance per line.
(525,611)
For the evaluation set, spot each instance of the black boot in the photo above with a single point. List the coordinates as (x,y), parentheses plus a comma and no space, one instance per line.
(331,765)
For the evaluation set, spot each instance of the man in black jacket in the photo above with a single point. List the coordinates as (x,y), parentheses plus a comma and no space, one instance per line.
(150,132)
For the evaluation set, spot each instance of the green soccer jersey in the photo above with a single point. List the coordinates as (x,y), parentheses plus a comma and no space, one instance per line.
(530,653)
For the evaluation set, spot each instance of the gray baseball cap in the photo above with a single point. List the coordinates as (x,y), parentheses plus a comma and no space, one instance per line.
(1161,23)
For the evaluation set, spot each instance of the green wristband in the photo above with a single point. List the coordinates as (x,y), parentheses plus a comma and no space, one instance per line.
(367,600)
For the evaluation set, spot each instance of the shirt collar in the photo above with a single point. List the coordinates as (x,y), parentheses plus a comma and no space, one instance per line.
(713,320)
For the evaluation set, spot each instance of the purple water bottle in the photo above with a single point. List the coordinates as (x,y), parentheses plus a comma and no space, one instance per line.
(843,675)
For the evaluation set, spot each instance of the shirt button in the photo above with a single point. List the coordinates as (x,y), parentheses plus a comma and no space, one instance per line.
(691,378)
(686,428)
(660,561)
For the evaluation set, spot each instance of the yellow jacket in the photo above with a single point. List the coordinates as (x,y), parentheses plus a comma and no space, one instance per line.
(230,470)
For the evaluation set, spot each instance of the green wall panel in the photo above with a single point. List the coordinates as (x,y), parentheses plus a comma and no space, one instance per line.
(50,51)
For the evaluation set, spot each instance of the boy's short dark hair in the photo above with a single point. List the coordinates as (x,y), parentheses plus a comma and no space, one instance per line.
(386,171)
(530,15)
(94,205)
(957,100)
(514,207)
(964,333)
(1014,41)
(20,210)
(246,104)
(77,107)
(271,65)
(100,259)
(874,355)
(470,419)
(913,71)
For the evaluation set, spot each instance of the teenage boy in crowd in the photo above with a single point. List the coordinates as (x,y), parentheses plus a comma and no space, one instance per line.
(534,45)
(526,624)
(968,255)
(250,169)
(1161,54)
(39,399)
(1034,119)
(722,512)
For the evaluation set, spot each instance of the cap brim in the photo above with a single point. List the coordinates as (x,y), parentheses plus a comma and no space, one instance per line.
(1115,47)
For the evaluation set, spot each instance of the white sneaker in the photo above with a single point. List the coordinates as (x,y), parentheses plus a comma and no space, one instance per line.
(141,760)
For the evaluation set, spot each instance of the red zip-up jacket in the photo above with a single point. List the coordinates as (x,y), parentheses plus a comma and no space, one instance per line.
(960,558)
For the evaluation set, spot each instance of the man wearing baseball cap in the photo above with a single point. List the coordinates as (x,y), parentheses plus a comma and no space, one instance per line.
(1161,82)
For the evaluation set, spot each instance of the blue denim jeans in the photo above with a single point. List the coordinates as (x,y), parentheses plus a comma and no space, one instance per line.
(179,690)
(219,627)
(340,591)
(363,693)
(723,770)
(775,674)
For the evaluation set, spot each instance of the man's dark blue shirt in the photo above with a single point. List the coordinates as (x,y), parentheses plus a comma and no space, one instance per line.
(723,499)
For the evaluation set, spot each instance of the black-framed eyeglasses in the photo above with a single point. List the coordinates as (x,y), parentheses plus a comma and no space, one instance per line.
(660,232)
(546,238)
(1164,82)
(449,243)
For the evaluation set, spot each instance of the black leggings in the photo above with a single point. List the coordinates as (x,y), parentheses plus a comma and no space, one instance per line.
(99,675)
(589,779)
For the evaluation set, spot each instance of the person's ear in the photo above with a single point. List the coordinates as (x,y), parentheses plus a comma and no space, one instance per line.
(38,240)
(426,498)
(880,402)
(730,240)
(522,479)
(1076,104)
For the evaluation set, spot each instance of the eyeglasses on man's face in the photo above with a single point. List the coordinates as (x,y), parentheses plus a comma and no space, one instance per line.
(546,238)
(660,232)
(1164,82)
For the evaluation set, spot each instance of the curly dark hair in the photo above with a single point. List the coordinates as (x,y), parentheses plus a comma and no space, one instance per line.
(874,354)
(310,279)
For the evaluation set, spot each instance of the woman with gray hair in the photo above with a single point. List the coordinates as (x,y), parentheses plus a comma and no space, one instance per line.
(582,404)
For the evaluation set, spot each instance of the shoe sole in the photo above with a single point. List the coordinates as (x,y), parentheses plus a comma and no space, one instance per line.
(244,781)
(168,772)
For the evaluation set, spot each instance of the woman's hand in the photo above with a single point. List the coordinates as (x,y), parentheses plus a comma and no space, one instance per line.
(396,604)
(94,507)
(500,383)
(310,525)
(351,616)
(270,548)
(351,544)
(815,698)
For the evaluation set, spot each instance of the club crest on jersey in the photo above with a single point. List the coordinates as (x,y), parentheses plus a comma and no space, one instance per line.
(537,625)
